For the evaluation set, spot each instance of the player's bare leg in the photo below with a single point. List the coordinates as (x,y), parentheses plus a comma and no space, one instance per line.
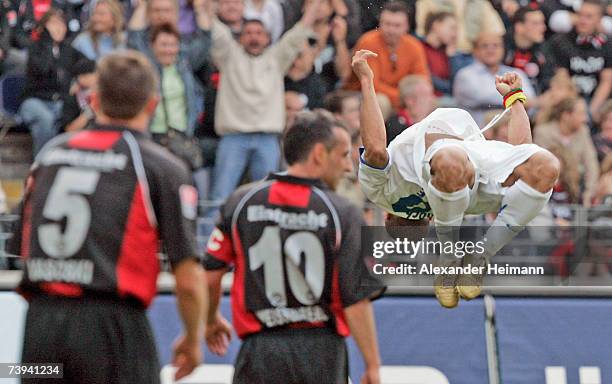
(448,193)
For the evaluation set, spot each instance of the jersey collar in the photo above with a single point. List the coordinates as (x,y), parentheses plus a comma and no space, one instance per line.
(110,127)
(283,176)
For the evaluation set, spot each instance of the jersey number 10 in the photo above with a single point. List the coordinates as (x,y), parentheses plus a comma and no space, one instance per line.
(306,287)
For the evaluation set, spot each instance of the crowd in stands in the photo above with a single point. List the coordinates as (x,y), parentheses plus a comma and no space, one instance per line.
(234,73)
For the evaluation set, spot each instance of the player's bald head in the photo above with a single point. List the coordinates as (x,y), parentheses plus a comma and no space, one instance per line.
(451,169)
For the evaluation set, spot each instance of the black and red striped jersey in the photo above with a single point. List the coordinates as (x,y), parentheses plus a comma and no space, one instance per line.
(295,249)
(98,203)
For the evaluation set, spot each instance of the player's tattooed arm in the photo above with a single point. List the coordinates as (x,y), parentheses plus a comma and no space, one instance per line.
(519,128)
(373,133)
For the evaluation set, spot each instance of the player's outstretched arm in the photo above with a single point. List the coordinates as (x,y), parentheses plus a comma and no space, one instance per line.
(360,318)
(192,304)
(373,134)
(519,129)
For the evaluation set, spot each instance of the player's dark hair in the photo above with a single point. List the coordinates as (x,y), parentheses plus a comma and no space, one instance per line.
(166,28)
(126,82)
(435,17)
(309,129)
(333,101)
(395,7)
(521,13)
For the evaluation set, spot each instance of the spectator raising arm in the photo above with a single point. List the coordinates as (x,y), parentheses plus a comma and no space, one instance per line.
(138,22)
(342,62)
(289,46)
(373,132)
(203,11)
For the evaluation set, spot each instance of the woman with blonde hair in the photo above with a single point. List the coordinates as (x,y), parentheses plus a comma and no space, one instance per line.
(104,32)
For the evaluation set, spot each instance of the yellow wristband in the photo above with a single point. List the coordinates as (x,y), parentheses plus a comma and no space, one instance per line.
(518,96)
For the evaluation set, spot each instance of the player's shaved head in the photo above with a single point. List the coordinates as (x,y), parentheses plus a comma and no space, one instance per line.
(451,169)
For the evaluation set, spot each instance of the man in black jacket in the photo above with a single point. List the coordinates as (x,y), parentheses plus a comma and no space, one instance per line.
(48,78)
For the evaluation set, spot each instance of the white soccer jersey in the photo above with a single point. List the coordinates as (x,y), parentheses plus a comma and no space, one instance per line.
(398,187)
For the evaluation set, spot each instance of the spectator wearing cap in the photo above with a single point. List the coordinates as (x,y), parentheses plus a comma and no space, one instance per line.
(269,12)
(603,139)
(473,86)
(76,112)
(104,33)
(524,47)
(345,107)
(439,44)
(250,106)
(51,61)
(418,101)
(586,54)
(153,13)
(474,17)
(399,54)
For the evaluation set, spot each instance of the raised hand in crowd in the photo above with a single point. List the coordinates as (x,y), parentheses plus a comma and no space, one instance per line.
(342,62)
(310,12)
(138,21)
(339,29)
(204,10)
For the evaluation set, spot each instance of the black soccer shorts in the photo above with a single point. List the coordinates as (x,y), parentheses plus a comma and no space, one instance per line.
(292,356)
(99,341)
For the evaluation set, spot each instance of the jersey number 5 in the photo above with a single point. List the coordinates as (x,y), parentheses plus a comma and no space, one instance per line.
(306,287)
(66,200)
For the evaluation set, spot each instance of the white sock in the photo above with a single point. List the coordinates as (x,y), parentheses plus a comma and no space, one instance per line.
(448,209)
(520,205)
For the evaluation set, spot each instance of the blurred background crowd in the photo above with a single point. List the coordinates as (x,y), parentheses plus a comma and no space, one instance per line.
(234,73)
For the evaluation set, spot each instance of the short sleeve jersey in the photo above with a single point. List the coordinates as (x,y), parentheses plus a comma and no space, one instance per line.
(296,252)
(98,204)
